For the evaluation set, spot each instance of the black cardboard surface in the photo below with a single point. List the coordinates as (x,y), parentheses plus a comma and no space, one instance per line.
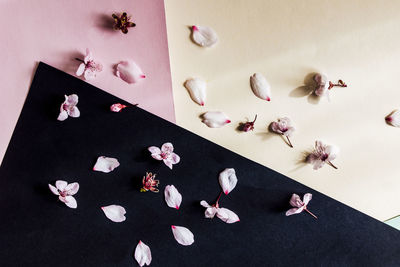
(38,230)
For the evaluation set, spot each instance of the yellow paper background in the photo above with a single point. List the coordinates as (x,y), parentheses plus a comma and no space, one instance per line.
(357,41)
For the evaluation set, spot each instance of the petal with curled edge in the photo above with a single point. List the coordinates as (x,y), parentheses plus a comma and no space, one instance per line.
(115,213)
(105,164)
(228,180)
(142,254)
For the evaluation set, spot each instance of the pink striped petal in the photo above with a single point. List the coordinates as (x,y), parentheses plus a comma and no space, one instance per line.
(172,197)
(80,70)
(115,213)
(142,254)
(182,235)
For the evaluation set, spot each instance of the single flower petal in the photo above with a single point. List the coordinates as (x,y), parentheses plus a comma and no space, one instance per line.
(61,185)
(142,254)
(72,100)
(71,189)
(205,204)
(105,164)
(197,90)
(172,197)
(74,112)
(228,180)
(80,69)
(168,162)
(227,216)
(130,72)
(204,36)
(332,151)
(295,201)
(393,118)
(167,148)
(70,201)
(88,56)
(63,115)
(54,190)
(215,119)
(154,150)
(182,235)
(260,86)
(89,74)
(294,211)
(174,158)
(115,213)
(307,198)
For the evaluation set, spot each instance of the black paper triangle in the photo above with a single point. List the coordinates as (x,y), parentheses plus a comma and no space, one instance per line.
(38,230)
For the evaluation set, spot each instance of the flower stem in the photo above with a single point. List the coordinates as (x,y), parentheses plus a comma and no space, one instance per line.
(289,143)
(309,212)
(330,163)
(339,84)
(80,60)
(255,119)
(220,194)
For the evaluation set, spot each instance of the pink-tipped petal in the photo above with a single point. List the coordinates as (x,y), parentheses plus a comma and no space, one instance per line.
(142,254)
(172,197)
(393,118)
(227,215)
(228,180)
(115,213)
(204,36)
(197,90)
(260,86)
(80,69)
(54,190)
(182,235)
(215,119)
(105,164)
(129,71)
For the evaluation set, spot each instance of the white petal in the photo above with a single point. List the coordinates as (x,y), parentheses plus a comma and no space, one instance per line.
(210,212)
(63,115)
(294,211)
(154,150)
(228,180)
(332,151)
(70,201)
(54,190)
(215,119)
(204,36)
(80,70)
(61,185)
(89,74)
(105,164)
(115,213)
(205,204)
(307,198)
(130,72)
(72,189)
(197,89)
(142,254)
(88,56)
(172,197)
(260,86)
(182,235)
(394,118)
(74,112)
(167,147)
(227,216)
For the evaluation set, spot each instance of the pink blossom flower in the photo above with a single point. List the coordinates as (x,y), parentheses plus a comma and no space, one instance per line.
(322,154)
(149,183)
(65,192)
(323,85)
(166,154)
(299,205)
(224,214)
(284,127)
(88,67)
(69,108)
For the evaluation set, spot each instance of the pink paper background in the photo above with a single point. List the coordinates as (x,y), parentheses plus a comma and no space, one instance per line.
(56,32)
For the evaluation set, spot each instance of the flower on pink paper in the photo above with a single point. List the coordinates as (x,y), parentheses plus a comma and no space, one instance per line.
(69,108)
(122,22)
(89,68)
(322,154)
(149,183)
(166,154)
(65,192)
(298,205)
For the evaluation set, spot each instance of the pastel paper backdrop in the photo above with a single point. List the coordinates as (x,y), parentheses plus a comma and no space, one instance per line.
(356,41)
(58,31)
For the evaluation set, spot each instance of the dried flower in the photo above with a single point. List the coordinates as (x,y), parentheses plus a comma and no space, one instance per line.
(115,213)
(228,180)
(224,214)
(215,119)
(204,36)
(88,67)
(322,154)
(117,107)
(172,197)
(323,85)
(142,254)
(182,235)
(260,86)
(248,126)
(129,72)
(197,90)
(105,164)
(122,22)
(166,154)
(149,183)
(393,118)
(284,127)
(65,192)
(299,205)
(69,108)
